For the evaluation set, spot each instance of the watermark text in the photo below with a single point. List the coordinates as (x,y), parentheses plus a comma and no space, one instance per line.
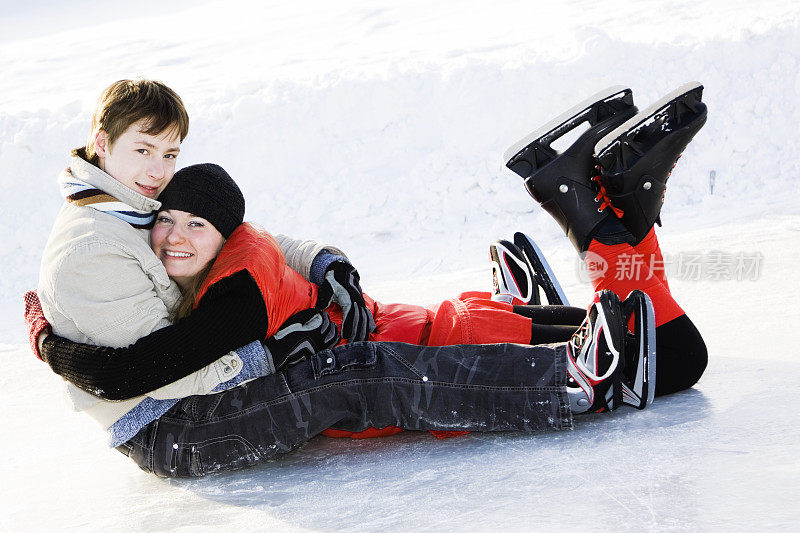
(687,266)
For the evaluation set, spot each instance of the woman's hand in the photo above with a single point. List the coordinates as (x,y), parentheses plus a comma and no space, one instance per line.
(342,286)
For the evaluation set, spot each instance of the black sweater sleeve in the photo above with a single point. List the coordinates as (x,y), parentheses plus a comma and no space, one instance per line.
(231,314)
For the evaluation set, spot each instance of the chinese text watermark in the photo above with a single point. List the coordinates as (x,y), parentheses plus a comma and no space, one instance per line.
(686,266)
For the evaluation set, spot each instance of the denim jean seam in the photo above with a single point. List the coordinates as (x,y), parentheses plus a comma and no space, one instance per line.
(564,410)
(196,446)
(196,456)
(125,448)
(207,415)
(560,366)
(151,447)
(282,376)
(229,437)
(196,406)
(399,358)
(560,377)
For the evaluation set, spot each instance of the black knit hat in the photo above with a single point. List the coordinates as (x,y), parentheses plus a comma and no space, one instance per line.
(207,191)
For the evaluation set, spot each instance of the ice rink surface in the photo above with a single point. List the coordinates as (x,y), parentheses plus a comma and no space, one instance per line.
(394,117)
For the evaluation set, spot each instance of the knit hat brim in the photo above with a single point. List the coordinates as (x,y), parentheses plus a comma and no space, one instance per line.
(207,191)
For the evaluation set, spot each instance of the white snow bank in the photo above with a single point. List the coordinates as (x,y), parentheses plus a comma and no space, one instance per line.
(410,157)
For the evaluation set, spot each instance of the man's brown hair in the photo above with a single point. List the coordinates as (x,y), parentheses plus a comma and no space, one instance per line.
(126,102)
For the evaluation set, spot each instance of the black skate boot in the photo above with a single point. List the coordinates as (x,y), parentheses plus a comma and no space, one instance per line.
(608,366)
(636,159)
(512,275)
(561,181)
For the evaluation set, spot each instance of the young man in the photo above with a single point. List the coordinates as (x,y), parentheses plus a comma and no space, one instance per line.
(100,282)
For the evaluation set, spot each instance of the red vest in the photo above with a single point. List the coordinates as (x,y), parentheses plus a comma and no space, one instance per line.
(285,291)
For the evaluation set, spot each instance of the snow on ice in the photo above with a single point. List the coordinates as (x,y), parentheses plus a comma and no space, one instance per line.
(379,127)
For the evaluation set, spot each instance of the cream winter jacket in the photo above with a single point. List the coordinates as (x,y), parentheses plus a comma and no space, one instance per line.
(100,283)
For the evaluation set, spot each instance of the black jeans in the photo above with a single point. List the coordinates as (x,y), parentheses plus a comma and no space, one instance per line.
(498,387)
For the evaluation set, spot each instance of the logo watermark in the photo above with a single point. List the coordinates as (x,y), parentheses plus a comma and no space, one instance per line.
(686,266)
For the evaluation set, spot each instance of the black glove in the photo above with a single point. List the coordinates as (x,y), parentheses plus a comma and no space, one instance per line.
(341,285)
(301,336)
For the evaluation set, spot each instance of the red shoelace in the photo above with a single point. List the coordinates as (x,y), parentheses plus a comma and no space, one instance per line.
(602,196)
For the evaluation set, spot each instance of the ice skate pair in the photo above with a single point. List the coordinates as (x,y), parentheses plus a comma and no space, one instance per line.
(608,366)
(617,168)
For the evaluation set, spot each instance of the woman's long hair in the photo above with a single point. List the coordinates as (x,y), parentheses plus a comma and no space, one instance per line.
(189,294)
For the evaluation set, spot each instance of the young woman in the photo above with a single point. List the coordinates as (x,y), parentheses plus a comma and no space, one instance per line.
(241,290)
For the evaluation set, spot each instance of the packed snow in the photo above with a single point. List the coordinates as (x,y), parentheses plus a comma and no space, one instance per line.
(379,127)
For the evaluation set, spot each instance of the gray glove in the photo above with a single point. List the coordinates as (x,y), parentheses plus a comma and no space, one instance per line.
(342,286)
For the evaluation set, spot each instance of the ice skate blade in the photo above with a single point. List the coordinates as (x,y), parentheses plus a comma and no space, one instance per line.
(565,118)
(607,141)
(651,347)
(552,288)
(641,392)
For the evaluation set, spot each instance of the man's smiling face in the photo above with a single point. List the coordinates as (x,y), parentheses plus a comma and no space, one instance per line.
(142,162)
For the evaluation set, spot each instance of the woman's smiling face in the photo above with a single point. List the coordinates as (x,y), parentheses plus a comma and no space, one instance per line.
(184,243)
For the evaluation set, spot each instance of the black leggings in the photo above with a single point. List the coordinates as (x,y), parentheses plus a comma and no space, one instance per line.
(682,354)
(552,323)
